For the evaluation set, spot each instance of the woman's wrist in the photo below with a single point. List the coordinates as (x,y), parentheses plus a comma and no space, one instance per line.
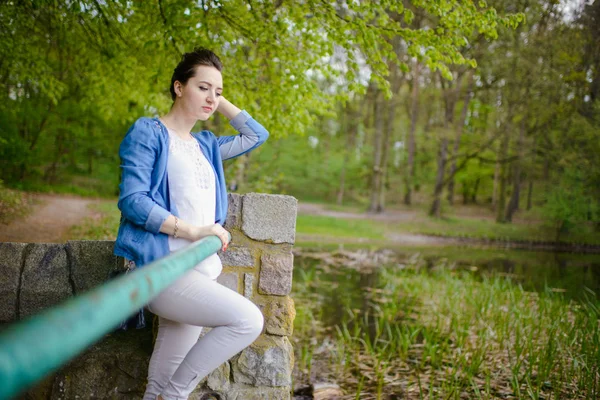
(227,108)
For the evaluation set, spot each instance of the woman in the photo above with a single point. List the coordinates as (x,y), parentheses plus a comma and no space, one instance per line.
(173,193)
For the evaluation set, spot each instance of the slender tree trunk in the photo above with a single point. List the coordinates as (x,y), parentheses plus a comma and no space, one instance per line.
(350,127)
(377,173)
(449,96)
(475,190)
(409,172)
(500,215)
(529,194)
(435,210)
(459,131)
(496,184)
(513,205)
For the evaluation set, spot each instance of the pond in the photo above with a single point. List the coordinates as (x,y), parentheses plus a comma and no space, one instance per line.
(441,322)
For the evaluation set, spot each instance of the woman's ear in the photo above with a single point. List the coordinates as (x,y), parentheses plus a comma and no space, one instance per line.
(178,88)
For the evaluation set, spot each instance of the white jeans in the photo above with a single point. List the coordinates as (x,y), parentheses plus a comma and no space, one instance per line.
(180,360)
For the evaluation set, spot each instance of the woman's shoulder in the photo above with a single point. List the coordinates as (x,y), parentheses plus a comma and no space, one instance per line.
(206,136)
(145,124)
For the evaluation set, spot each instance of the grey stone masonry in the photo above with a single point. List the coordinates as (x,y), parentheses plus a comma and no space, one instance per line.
(258,265)
(91,263)
(269,217)
(237,257)
(11,260)
(46,278)
(234,211)
(276,274)
(267,362)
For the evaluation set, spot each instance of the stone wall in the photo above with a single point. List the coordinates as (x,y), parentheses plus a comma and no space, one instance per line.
(257,264)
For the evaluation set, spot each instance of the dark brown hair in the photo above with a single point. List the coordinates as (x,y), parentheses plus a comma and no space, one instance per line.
(187,66)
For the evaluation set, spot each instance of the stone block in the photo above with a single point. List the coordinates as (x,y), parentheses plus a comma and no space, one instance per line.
(259,393)
(248,285)
(266,362)
(234,211)
(11,259)
(91,262)
(46,280)
(229,279)
(269,217)
(276,274)
(237,257)
(114,368)
(218,380)
(279,315)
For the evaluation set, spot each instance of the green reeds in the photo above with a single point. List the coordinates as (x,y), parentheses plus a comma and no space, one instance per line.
(446,333)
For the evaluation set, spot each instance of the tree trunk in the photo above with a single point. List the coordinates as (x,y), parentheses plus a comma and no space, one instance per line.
(529,194)
(449,97)
(435,210)
(459,131)
(475,190)
(350,126)
(495,187)
(500,215)
(513,205)
(377,173)
(409,172)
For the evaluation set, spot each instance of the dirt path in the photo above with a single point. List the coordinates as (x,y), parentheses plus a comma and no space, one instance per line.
(51,218)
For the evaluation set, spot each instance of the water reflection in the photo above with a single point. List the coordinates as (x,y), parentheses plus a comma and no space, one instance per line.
(342,290)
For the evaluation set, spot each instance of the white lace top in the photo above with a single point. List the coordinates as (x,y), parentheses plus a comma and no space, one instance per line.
(192,186)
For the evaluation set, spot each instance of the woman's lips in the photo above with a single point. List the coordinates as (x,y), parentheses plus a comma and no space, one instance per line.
(207,109)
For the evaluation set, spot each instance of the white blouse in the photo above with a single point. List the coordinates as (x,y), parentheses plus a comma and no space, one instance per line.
(192,187)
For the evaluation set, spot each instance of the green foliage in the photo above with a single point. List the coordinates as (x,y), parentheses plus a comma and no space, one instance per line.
(571,203)
(13,204)
(468,335)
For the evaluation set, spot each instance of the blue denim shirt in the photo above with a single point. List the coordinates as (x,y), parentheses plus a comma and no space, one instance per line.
(144,198)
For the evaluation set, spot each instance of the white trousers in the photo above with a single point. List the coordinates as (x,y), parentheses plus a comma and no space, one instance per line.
(179,360)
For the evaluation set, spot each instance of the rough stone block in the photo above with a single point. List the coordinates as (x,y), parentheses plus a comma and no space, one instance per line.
(114,368)
(45,279)
(268,361)
(234,211)
(268,217)
(259,393)
(11,259)
(91,262)
(218,380)
(276,274)
(248,283)
(280,314)
(237,257)
(229,279)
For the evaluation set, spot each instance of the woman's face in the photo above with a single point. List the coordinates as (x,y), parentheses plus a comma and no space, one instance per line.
(200,95)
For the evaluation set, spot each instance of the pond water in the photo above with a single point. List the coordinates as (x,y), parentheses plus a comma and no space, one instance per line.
(576,276)
(380,323)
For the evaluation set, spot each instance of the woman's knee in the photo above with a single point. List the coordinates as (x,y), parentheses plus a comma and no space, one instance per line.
(252,321)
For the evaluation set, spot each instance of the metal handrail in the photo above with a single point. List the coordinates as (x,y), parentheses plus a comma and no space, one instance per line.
(33,348)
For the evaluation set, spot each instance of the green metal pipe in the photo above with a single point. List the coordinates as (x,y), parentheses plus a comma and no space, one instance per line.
(35,347)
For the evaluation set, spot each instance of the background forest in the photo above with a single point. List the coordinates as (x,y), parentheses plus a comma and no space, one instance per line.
(373,104)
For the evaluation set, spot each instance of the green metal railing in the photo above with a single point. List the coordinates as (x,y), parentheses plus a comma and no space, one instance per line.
(35,347)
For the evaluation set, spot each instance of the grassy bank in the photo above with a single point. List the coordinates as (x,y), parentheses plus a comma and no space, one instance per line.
(442,334)
(330,228)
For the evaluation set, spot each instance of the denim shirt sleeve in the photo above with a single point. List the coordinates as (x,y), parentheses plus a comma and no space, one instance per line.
(138,152)
(252,134)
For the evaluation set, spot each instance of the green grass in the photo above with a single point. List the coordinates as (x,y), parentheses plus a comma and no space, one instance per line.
(487,229)
(102,226)
(332,228)
(339,227)
(443,333)
(13,204)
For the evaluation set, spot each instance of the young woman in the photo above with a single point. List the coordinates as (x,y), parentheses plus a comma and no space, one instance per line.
(173,193)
